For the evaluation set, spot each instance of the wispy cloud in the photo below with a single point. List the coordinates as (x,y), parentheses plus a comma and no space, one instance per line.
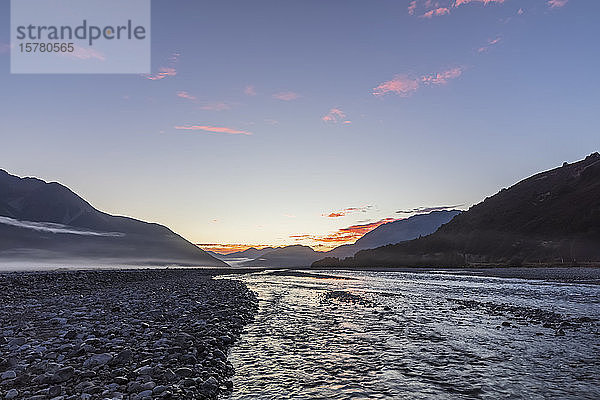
(458,3)
(335,115)
(430,8)
(165,72)
(215,106)
(442,78)
(212,129)
(48,227)
(436,12)
(346,211)
(557,3)
(344,235)
(412,7)
(84,53)
(425,210)
(401,85)
(286,96)
(250,90)
(405,86)
(489,44)
(186,95)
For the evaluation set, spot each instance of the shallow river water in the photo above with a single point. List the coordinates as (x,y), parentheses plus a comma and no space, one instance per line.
(394,335)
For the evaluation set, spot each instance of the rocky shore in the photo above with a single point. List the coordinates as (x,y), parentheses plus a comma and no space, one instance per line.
(129,334)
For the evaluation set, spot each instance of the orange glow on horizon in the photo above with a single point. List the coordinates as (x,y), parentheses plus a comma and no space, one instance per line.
(344,235)
(223,248)
(326,242)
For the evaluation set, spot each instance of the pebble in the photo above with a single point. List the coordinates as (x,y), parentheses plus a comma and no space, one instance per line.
(121,334)
(9,375)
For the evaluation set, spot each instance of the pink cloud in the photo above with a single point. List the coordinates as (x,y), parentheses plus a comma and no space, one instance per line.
(335,115)
(489,44)
(286,96)
(405,86)
(250,90)
(185,95)
(442,78)
(436,12)
(347,211)
(165,72)
(400,85)
(213,129)
(433,8)
(412,6)
(215,106)
(485,2)
(344,235)
(557,3)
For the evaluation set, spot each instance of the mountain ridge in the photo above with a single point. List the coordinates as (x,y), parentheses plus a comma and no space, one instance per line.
(391,232)
(37,216)
(552,217)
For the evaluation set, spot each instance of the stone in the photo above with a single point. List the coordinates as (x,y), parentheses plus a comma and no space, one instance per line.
(119,334)
(63,374)
(97,360)
(148,385)
(9,375)
(134,387)
(70,335)
(55,391)
(121,380)
(159,389)
(123,357)
(145,393)
(169,375)
(145,370)
(184,371)
(17,342)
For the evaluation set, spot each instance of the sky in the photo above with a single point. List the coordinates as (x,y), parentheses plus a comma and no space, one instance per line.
(312,122)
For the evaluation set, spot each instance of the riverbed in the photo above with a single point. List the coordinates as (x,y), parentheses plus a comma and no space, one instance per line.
(427,335)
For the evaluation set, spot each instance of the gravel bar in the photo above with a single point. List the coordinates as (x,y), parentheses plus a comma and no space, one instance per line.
(120,334)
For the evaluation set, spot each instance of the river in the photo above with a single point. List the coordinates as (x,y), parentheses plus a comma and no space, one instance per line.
(401,335)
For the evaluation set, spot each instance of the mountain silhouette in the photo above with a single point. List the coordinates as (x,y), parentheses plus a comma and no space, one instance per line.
(251,253)
(47,221)
(288,256)
(551,218)
(396,232)
(392,232)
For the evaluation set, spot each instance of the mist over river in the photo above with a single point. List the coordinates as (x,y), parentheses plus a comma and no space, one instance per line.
(396,335)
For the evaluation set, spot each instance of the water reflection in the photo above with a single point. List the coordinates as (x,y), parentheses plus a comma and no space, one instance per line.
(417,336)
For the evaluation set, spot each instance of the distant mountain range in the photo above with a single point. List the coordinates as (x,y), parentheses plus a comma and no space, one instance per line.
(396,232)
(304,256)
(42,221)
(552,218)
(251,253)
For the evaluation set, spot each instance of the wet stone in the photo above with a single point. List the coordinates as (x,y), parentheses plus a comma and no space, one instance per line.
(118,334)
